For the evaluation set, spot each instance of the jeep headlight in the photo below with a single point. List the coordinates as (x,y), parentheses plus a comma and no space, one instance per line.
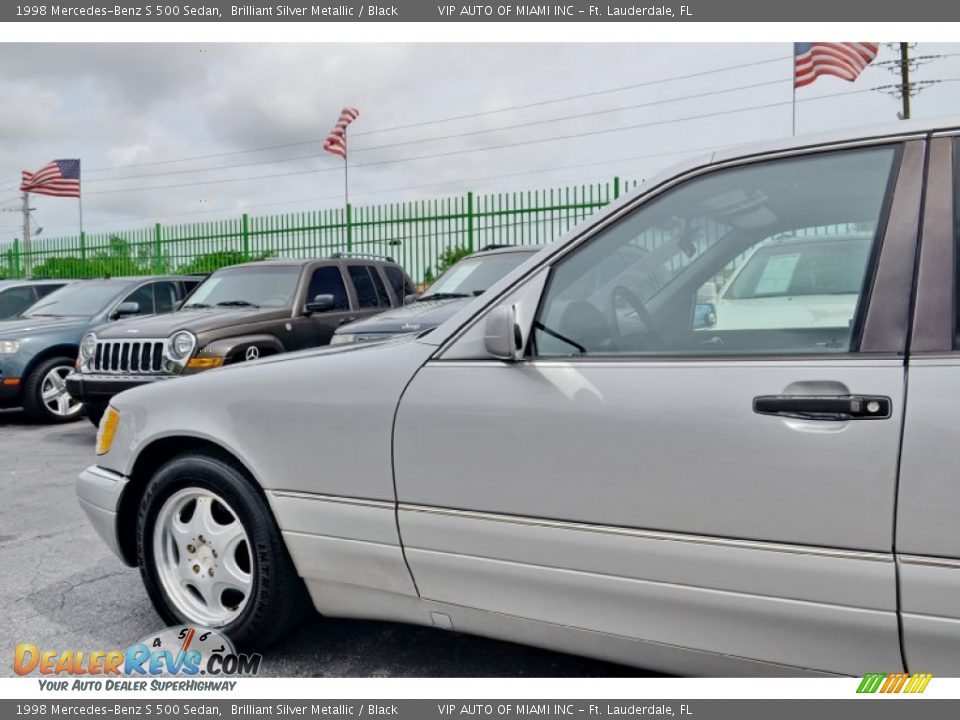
(9,347)
(88,346)
(181,345)
(340,339)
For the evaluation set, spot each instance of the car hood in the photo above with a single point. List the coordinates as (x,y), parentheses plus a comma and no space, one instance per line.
(415,317)
(20,327)
(197,321)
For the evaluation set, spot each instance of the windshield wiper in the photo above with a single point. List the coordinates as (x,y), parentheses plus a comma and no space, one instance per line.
(42,315)
(196,305)
(553,333)
(443,296)
(236,303)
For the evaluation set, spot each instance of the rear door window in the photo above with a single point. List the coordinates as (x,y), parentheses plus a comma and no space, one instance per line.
(367,293)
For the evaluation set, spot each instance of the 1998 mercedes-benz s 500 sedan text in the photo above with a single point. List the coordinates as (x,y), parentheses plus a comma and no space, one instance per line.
(575,461)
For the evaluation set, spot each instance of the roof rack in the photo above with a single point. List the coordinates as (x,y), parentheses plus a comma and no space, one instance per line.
(339,255)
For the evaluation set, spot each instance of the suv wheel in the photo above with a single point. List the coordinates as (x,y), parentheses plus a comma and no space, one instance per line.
(211,554)
(45,396)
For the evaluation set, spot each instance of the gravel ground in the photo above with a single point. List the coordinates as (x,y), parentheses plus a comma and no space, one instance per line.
(61,588)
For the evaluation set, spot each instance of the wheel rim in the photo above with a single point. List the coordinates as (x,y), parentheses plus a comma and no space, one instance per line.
(202,556)
(54,395)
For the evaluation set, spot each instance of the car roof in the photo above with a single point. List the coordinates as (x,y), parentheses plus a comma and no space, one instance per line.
(300,262)
(902,129)
(10,282)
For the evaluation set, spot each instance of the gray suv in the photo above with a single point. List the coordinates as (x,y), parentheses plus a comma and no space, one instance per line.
(576,460)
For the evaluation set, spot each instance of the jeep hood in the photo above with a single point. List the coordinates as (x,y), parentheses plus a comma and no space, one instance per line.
(197,321)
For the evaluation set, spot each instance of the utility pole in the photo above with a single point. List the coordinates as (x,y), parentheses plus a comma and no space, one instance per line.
(903,66)
(27,257)
(905,89)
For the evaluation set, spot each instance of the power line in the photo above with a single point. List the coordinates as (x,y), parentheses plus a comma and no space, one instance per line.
(452,136)
(521,143)
(453,118)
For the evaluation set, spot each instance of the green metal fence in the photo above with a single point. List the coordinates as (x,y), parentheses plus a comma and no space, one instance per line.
(414,233)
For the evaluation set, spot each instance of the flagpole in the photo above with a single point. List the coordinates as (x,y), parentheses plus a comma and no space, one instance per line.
(793,108)
(26,236)
(346,162)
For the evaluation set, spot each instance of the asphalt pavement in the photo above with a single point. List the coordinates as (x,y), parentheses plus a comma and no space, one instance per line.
(61,588)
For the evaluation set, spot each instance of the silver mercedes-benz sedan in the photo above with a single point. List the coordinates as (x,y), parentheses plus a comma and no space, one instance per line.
(586,458)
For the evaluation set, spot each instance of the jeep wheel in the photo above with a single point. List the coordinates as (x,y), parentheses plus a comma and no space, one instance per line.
(94,412)
(211,554)
(45,396)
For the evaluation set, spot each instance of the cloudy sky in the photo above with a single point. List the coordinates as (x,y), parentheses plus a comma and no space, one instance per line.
(173,132)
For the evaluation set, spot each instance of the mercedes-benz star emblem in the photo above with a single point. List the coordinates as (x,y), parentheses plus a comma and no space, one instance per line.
(253,352)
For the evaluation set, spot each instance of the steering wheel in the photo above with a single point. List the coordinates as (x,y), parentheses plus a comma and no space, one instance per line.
(622,291)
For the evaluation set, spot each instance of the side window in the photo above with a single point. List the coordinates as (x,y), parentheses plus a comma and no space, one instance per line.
(383,297)
(143,296)
(328,280)
(767,258)
(15,300)
(399,282)
(165,295)
(46,289)
(188,285)
(367,296)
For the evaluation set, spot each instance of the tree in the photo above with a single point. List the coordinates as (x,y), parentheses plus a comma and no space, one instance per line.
(445,261)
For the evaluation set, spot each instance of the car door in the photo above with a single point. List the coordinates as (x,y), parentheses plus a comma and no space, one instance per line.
(927,543)
(640,472)
(314,329)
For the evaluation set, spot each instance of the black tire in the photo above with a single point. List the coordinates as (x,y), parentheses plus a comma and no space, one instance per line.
(33,404)
(94,412)
(278,598)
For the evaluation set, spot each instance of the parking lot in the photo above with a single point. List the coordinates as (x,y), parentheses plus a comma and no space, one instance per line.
(61,588)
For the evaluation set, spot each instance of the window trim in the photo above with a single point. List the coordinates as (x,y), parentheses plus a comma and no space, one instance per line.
(934,317)
(902,176)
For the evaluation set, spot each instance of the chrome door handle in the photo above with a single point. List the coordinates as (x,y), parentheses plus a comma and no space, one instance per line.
(824,407)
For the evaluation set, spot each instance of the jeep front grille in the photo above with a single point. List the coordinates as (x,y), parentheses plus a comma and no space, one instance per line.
(128,356)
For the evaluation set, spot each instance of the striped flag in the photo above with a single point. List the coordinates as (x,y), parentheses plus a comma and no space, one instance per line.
(60,178)
(337,139)
(842,60)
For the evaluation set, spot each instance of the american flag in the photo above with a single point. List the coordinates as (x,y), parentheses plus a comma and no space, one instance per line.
(60,178)
(842,60)
(337,139)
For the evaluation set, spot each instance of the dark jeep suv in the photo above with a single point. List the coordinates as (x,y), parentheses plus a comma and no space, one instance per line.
(239,313)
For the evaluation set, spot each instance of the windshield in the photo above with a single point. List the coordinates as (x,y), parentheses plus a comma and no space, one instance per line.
(819,267)
(83,299)
(263,286)
(473,275)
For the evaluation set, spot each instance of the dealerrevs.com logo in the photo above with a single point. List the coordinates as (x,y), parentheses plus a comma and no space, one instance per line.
(179,652)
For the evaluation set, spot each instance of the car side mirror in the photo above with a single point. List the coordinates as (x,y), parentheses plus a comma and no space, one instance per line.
(502,337)
(125,309)
(321,303)
(704,316)
(411,298)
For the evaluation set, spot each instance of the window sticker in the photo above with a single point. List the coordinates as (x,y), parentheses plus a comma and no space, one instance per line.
(777,274)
